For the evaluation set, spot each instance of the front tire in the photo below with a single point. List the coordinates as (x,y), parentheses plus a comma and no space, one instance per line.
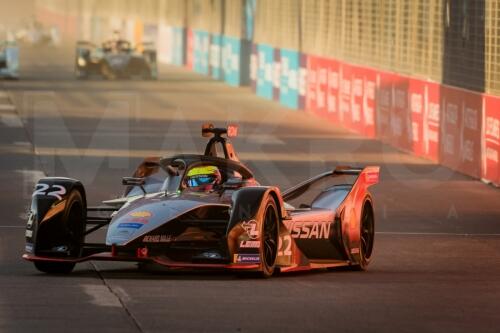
(63,238)
(269,238)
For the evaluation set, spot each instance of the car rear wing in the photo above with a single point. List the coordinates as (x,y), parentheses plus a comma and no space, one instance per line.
(369,176)
(86,44)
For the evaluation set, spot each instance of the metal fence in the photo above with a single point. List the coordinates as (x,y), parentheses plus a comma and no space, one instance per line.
(455,42)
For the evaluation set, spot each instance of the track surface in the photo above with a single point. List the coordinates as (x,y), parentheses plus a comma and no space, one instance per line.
(436,264)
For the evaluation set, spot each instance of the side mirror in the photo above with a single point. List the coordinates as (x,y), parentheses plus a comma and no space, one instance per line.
(134,181)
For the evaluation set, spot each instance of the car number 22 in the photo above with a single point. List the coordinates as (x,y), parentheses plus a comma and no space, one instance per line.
(52,190)
(285,245)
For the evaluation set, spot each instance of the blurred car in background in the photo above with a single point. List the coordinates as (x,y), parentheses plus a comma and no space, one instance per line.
(115,59)
(9,59)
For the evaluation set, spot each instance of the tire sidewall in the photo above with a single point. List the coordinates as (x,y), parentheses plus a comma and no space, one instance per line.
(268,203)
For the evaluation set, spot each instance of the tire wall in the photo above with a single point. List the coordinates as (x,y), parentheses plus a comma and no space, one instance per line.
(422,76)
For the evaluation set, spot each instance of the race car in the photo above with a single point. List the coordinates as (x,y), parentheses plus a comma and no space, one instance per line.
(9,60)
(115,59)
(208,212)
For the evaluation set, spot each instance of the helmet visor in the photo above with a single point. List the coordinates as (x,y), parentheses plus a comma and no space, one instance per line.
(200,180)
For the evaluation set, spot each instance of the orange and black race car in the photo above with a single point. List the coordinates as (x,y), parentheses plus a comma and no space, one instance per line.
(208,212)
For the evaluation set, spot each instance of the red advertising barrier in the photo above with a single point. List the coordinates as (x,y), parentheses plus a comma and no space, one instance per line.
(323,87)
(312,66)
(424,108)
(190,49)
(460,146)
(357,99)
(384,91)
(491,140)
(333,88)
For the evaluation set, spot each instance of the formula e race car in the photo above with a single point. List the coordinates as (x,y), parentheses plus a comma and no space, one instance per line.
(115,59)
(208,212)
(9,60)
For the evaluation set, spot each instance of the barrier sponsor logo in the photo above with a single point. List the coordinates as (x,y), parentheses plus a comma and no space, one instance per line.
(491,140)
(289,85)
(231,60)
(460,130)
(215,56)
(265,71)
(201,52)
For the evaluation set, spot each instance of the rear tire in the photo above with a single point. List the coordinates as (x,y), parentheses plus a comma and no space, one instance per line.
(269,238)
(367,238)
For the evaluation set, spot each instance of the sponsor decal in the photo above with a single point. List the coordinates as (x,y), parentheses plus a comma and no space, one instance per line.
(29,247)
(158,239)
(250,244)
(309,230)
(141,214)
(251,229)
(355,250)
(29,233)
(31,219)
(247,258)
(130,225)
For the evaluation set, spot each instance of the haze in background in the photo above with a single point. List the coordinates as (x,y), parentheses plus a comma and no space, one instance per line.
(15,14)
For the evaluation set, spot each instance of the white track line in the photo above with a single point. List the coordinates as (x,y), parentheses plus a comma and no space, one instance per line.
(11,120)
(7,107)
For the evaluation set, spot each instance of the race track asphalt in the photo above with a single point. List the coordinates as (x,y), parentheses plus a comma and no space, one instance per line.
(436,264)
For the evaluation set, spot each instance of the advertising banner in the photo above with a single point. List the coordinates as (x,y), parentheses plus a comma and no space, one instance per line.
(138,32)
(165,43)
(215,56)
(190,49)
(332,89)
(265,59)
(231,60)
(302,81)
(425,110)
(460,146)
(311,85)
(356,97)
(201,51)
(178,46)
(491,140)
(254,67)
(150,33)
(276,74)
(289,83)
(384,92)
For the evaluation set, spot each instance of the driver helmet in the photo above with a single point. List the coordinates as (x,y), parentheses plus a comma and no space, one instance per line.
(203,178)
